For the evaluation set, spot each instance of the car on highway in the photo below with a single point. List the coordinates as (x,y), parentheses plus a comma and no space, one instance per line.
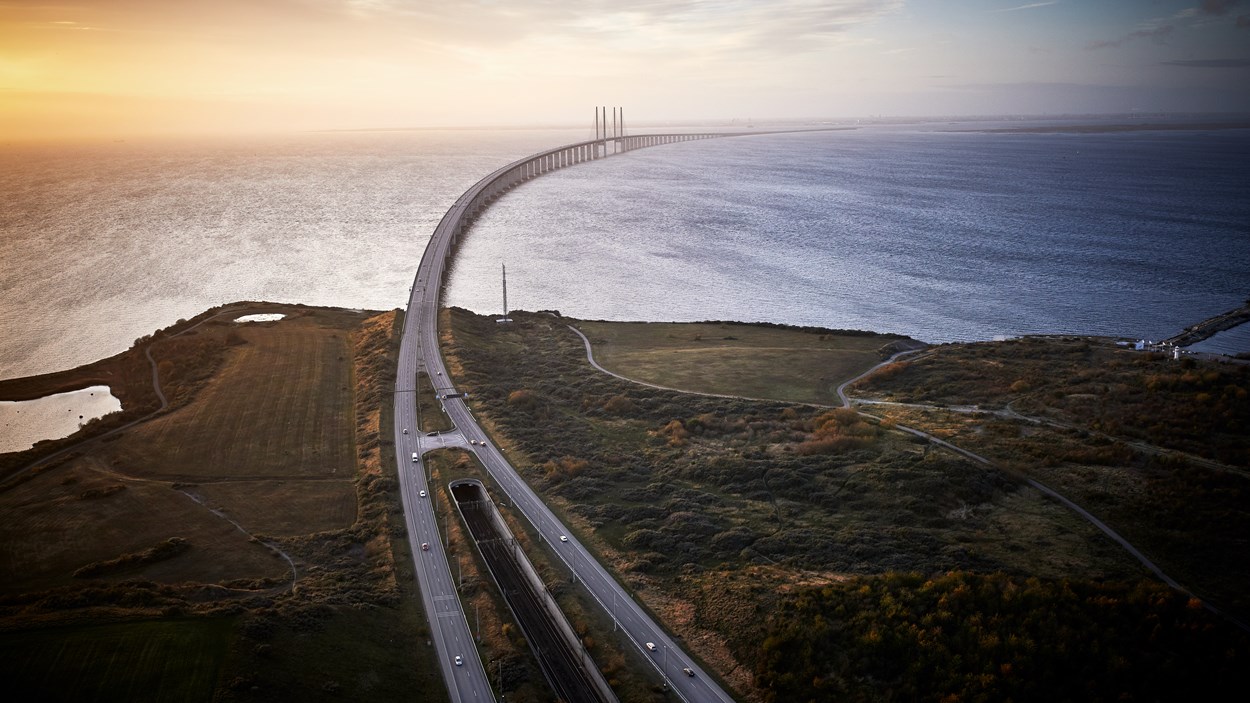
(651,646)
(459,661)
(422,494)
(415,459)
(688,671)
(425,546)
(405,430)
(563,538)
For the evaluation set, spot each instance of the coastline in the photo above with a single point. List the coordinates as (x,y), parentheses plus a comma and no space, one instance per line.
(128,375)
(1211,326)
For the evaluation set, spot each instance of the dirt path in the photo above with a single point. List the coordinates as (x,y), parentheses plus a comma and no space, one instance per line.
(156,386)
(1044,489)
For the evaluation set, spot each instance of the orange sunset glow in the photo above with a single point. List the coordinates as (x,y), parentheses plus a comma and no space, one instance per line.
(109,67)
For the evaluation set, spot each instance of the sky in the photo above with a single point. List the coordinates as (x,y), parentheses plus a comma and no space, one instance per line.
(71,68)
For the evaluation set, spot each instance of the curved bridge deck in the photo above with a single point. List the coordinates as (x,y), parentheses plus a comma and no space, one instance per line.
(419,351)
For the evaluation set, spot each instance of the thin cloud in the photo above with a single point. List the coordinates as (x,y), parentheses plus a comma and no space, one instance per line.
(656,25)
(1210,63)
(1217,7)
(1030,6)
(1158,34)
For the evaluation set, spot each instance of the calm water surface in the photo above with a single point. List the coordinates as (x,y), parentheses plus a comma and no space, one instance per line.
(943,236)
(26,422)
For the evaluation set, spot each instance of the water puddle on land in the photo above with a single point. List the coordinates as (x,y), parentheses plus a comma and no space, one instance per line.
(24,422)
(261,317)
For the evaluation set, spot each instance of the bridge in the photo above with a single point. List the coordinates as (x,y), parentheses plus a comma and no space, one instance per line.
(462,669)
(486,191)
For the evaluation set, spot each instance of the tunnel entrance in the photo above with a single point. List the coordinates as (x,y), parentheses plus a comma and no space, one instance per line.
(564,663)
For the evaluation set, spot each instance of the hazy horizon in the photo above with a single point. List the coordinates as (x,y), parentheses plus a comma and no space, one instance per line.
(144,67)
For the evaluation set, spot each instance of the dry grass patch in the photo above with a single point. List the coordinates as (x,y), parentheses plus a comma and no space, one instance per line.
(284,508)
(281,406)
(51,530)
(757,362)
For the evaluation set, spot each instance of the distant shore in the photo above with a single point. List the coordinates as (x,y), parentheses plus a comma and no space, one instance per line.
(1104,128)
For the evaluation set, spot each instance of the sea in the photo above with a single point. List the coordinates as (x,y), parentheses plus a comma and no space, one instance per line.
(941,231)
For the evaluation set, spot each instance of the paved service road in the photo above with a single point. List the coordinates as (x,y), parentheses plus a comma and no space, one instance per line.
(450,631)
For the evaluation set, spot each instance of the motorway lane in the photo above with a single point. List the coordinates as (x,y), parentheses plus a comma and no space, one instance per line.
(668,659)
(449,628)
(419,350)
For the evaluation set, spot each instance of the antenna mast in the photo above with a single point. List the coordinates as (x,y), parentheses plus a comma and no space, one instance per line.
(505,317)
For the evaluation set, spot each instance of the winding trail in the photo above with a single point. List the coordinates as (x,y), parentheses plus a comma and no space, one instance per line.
(11,481)
(973,456)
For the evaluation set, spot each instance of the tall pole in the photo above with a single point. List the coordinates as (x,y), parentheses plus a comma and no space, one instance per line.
(666,664)
(505,291)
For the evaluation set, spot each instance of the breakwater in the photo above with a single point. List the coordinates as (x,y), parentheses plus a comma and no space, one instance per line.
(1210,326)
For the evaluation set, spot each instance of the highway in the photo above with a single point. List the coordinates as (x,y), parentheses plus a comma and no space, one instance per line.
(450,633)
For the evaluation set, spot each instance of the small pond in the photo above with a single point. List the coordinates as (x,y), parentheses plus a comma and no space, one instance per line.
(24,422)
(261,317)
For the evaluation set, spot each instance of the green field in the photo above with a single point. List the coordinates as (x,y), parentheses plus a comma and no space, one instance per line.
(777,363)
(280,407)
(167,660)
(273,441)
(811,554)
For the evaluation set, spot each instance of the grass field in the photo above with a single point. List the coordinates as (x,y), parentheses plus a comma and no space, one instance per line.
(268,442)
(714,509)
(169,660)
(281,407)
(274,441)
(63,520)
(754,362)
(1138,443)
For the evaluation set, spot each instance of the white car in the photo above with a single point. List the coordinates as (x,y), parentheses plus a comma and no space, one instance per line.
(563,538)
(422,494)
(651,646)
(405,430)
(459,661)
